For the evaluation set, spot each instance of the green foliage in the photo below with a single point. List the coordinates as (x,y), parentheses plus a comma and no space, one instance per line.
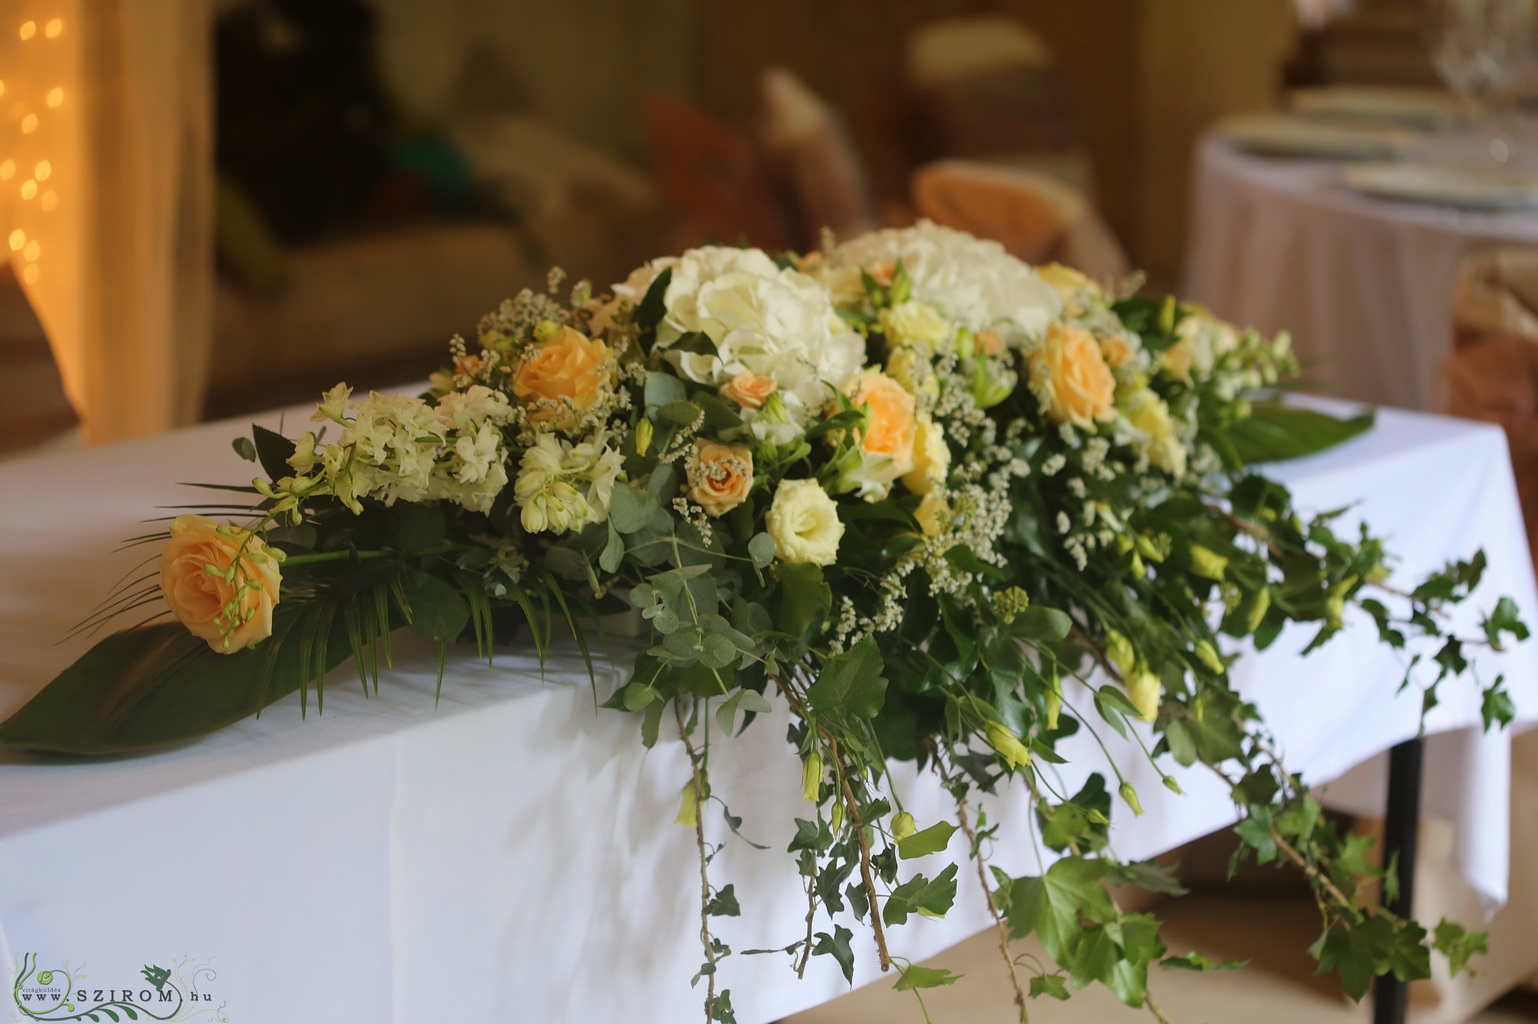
(1141,565)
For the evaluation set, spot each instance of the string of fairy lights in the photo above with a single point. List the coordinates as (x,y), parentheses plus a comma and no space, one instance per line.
(31,177)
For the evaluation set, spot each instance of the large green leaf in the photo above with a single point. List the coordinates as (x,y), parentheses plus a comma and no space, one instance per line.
(159,684)
(1274,432)
(850,683)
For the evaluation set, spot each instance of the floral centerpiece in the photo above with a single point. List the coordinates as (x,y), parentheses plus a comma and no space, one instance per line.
(907,487)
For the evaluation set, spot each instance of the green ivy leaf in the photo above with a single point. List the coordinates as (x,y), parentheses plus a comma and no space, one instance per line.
(837,946)
(850,683)
(1054,905)
(913,977)
(921,894)
(723,903)
(1052,985)
(932,840)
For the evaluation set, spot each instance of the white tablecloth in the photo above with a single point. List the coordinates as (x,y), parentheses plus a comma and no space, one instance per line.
(1365,285)
(509,855)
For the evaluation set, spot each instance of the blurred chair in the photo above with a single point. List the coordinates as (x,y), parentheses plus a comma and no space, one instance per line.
(1032,215)
(986,88)
(1492,374)
(716,177)
(811,153)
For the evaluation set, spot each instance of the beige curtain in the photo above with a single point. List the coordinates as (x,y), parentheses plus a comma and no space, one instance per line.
(106,185)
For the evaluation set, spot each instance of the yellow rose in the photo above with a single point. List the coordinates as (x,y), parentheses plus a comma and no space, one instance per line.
(913,371)
(803,522)
(892,425)
(933,514)
(915,323)
(748,390)
(1065,279)
(225,602)
(1149,413)
(1080,384)
(931,457)
(565,374)
(720,476)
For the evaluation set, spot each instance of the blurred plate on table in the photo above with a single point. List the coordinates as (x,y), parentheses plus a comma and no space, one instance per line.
(1415,108)
(1289,135)
(1474,187)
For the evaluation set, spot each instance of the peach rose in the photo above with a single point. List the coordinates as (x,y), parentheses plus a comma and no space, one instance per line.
(988,342)
(748,389)
(1080,384)
(720,476)
(893,426)
(565,374)
(219,599)
(1115,349)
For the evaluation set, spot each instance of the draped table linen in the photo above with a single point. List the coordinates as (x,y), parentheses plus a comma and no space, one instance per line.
(510,855)
(1365,285)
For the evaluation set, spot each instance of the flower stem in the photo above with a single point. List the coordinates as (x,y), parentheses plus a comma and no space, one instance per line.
(699,840)
(982,876)
(363,556)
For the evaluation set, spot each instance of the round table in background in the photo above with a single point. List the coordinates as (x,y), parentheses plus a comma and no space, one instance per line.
(1365,285)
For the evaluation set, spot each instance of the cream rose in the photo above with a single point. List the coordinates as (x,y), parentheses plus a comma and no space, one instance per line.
(803,522)
(748,389)
(933,514)
(1078,385)
(915,323)
(562,376)
(1070,283)
(720,476)
(220,581)
(931,457)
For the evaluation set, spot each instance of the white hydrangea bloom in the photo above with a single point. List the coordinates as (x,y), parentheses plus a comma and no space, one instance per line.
(973,281)
(763,319)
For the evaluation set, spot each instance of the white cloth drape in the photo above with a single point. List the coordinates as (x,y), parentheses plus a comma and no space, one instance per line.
(508,853)
(106,174)
(1365,285)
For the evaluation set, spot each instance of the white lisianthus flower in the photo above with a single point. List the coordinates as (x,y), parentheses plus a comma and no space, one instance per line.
(763,319)
(972,281)
(803,522)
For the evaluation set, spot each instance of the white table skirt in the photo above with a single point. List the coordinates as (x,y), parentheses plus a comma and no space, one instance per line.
(1365,285)
(510,855)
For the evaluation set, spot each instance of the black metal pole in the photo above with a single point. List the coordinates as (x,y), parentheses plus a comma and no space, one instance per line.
(1401,830)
